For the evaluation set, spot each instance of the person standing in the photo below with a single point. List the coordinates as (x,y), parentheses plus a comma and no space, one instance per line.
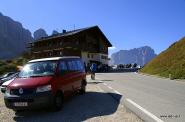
(93,70)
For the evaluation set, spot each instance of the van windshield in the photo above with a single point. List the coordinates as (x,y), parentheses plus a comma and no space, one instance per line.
(38,69)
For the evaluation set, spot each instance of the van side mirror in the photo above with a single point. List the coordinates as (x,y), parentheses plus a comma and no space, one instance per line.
(3,89)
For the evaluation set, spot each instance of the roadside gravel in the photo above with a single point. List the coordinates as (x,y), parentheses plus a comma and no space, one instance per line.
(5,114)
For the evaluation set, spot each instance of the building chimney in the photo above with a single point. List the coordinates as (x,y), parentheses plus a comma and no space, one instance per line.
(64,31)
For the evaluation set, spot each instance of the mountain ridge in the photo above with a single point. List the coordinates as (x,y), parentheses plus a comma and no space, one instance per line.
(13,37)
(140,55)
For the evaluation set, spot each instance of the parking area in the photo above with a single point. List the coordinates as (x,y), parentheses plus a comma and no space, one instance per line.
(95,105)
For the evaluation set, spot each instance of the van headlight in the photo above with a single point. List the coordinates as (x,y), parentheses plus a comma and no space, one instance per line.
(7,90)
(43,88)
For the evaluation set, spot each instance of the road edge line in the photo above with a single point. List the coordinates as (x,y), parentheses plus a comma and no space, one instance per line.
(140,111)
(134,107)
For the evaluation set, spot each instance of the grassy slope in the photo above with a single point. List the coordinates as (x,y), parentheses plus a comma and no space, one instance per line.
(170,61)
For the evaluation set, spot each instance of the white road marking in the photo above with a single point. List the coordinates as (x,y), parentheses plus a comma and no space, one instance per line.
(101,81)
(100,89)
(117,92)
(97,79)
(112,88)
(136,105)
(105,84)
(144,110)
(109,87)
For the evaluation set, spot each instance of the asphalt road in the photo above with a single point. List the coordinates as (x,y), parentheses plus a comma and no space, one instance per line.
(162,97)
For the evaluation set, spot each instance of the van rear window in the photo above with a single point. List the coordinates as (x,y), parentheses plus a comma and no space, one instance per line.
(75,65)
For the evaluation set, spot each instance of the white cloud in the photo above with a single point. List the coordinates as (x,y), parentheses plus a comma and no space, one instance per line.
(112,48)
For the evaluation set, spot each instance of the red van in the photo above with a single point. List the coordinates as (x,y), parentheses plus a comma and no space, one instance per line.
(46,82)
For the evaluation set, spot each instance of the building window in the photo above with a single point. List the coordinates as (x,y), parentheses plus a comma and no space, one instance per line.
(103,57)
(50,54)
(88,55)
(77,42)
(61,43)
(50,44)
(92,56)
(61,53)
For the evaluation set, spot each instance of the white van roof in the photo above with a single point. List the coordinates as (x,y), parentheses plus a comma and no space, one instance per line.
(52,58)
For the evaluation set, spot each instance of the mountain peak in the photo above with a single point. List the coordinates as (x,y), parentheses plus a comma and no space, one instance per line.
(141,56)
(39,33)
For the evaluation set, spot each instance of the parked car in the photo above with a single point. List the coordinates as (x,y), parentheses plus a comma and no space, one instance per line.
(103,68)
(114,67)
(12,76)
(5,84)
(46,82)
(6,75)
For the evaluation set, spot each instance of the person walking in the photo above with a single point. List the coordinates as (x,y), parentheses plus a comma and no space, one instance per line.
(93,70)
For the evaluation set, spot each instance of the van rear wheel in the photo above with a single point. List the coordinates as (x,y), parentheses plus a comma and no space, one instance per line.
(58,102)
(83,88)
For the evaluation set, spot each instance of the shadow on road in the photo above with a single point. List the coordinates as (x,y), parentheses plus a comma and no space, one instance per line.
(79,108)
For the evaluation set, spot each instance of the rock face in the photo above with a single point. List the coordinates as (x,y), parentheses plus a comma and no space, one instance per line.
(13,38)
(55,32)
(141,56)
(39,34)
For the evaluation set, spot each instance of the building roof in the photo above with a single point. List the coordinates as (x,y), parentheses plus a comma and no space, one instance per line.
(52,59)
(70,33)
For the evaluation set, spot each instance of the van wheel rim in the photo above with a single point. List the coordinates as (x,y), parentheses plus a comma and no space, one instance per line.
(58,101)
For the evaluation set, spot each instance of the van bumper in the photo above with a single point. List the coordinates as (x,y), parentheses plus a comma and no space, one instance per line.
(35,101)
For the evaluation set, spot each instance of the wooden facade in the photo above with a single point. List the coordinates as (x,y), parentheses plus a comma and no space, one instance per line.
(87,43)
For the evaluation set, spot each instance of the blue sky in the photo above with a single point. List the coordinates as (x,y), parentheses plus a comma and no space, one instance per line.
(126,23)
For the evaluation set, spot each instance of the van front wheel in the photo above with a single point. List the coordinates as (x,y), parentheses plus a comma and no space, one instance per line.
(83,88)
(58,102)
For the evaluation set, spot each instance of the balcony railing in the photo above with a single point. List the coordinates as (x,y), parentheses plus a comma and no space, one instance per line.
(54,47)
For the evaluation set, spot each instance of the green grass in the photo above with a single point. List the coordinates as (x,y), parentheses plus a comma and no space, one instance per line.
(7,67)
(169,62)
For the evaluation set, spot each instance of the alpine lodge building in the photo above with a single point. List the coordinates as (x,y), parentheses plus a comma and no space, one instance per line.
(88,43)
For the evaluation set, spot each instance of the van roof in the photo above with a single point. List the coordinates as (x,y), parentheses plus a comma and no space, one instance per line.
(53,58)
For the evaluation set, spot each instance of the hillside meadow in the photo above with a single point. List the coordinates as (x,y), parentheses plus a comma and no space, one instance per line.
(170,63)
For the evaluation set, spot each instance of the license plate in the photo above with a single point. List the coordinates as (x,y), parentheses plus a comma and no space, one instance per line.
(22,104)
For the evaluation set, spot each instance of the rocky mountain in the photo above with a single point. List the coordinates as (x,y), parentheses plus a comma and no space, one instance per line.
(13,38)
(55,32)
(141,56)
(39,34)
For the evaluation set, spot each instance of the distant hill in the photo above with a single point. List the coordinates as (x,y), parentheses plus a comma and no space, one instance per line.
(141,56)
(170,61)
(13,38)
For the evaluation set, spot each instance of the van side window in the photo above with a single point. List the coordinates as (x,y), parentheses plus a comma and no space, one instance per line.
(75,65)
(79,64)
(62,66)
(70,65)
